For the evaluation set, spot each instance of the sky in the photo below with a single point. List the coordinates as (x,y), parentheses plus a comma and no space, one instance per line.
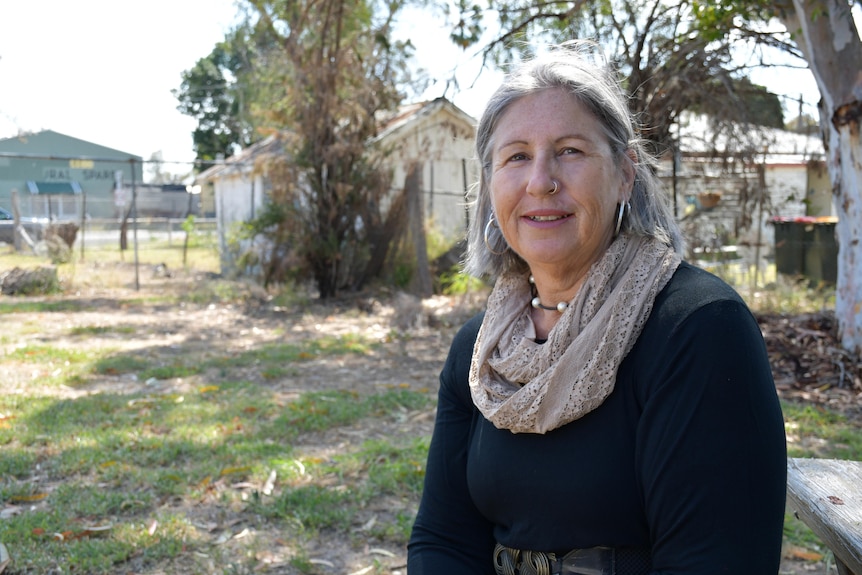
(103,70)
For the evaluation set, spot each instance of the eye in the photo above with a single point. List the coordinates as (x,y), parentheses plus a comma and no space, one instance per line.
(569,150)
(517,157)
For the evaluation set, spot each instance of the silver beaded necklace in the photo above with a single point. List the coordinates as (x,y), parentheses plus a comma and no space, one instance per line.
(537,303)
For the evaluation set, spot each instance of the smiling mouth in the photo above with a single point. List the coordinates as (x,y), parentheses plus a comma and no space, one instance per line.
(547,218)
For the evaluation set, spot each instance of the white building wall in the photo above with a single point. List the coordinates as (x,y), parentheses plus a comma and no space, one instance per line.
(239,198)
(446,151)
(788,188)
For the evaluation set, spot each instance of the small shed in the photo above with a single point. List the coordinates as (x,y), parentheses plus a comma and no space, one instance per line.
(435,134)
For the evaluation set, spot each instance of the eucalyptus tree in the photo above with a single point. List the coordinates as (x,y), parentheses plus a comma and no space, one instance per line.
(330,67)
(667,64)
(683,54)
(826,36)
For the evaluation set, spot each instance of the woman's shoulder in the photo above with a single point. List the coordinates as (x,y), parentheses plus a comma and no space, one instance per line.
(461,348)
(454,377)
(693,287)
(465,338)
(470,329)
(690,290)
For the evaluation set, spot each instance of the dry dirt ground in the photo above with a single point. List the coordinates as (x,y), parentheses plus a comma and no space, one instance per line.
(802,349)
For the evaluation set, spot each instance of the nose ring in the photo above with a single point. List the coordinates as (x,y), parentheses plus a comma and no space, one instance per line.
(556,188)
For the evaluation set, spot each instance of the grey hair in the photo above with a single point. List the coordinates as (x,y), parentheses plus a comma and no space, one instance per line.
(578,68)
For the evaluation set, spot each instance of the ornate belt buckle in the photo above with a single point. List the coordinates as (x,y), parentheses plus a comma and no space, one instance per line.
(594,561)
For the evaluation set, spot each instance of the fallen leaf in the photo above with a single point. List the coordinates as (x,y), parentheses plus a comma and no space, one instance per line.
(11,512)
(96,530)
(233,470)
(64,536)
(208,527)
(28,498)
(270,483)
(803,554)
(369,524)
(379,551)
(5,559)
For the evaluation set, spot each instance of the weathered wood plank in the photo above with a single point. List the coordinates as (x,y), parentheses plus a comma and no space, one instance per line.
(827,495)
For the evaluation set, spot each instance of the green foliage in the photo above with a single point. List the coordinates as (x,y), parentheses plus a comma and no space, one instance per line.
(714,20)
(672,56)
(188,224)
(762,107)
(456,282)
(214,93)
(470,26)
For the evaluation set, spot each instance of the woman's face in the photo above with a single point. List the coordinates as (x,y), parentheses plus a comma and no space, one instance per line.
(545,137)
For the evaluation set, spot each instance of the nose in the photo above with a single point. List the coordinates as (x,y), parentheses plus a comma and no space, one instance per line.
(542,181)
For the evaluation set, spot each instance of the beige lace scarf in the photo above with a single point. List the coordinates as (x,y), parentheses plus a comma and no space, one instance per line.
(528,387)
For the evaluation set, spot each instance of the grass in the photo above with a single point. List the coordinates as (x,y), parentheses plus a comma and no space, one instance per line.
(114,460)
(114,481)
(201,255)
(766,291)
(111,481)
(814,431)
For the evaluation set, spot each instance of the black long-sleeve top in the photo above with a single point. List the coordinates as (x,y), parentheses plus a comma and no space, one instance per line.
(686,456)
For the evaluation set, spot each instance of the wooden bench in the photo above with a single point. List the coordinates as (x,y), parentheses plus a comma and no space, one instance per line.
(826,494)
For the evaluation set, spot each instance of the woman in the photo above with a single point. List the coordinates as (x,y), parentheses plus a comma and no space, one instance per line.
(613,410)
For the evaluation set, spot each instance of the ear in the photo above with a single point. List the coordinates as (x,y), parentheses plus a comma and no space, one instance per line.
(629,171)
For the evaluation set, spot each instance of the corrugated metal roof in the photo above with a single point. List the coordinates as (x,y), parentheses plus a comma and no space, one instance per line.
(698,137)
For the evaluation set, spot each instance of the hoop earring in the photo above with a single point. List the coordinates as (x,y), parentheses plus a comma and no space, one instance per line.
(490,223)
(620,214)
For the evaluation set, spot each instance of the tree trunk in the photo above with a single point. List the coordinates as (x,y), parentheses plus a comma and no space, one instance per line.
(385,237)
(833,49)
(421,284)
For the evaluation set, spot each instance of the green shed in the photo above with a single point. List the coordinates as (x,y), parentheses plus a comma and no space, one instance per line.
(62,177)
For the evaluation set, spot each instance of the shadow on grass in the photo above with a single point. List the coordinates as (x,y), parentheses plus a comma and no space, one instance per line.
(135,461)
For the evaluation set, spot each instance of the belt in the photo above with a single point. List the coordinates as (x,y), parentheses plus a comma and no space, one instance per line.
(592,561)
